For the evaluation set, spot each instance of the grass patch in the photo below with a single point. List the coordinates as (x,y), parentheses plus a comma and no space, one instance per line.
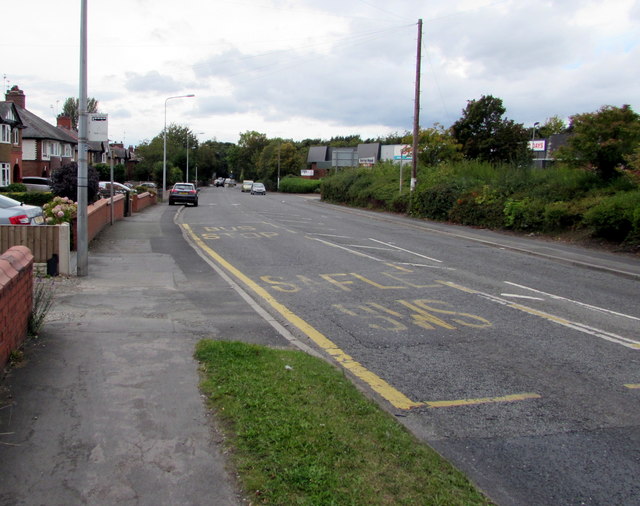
(301,433)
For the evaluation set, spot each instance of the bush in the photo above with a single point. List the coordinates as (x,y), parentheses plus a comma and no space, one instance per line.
(435,202)
(16,188)
(525,214)
(31,198)
(60,210)
(615,218)
(478,208)
(64,182)
(560,216)
(299,185)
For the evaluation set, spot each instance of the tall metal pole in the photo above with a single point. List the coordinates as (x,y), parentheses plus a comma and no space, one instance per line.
(83,150)
(164,151)
(187,156)
(416,111)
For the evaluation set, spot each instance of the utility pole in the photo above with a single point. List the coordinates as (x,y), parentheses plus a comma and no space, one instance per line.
(83,151)
(416,112)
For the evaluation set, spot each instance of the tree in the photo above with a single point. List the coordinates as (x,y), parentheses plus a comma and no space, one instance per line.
(485,135)
(279,153)
(553,125)
(602,139)
(64,182)
(250,145)
(435,145)
(71,108)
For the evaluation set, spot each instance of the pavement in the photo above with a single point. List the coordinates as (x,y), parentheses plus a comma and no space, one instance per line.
(105,407)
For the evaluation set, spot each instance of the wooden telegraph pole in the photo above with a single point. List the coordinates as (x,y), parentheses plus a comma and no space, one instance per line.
(416,112)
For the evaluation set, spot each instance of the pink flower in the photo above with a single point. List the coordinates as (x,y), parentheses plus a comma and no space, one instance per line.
(59,214)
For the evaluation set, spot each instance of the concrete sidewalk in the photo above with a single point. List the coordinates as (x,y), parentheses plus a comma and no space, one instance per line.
(106,408)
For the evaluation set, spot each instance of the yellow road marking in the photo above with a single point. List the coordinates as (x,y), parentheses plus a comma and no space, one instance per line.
(485,400)
(395,397)
(633,385)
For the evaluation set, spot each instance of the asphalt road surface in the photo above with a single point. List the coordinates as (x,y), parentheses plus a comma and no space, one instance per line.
(522,369)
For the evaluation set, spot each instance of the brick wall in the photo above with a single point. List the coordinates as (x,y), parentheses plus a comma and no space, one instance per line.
(142,200)
(16,299)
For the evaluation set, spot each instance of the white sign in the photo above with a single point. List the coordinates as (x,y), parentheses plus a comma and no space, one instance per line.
(98,128)
(307,172)
(538,145)
(370,160)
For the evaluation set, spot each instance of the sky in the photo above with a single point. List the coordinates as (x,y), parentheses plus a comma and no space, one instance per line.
(299,69)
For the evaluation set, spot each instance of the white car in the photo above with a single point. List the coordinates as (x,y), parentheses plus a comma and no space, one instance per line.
(13,212)
(37,184)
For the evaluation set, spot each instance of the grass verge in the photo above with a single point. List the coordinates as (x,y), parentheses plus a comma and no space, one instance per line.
(301,433)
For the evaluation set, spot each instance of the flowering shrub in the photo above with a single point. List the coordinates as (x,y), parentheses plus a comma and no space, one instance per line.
(60,210)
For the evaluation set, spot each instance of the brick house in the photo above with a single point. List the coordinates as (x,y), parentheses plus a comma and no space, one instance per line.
(44,147)
(10,143)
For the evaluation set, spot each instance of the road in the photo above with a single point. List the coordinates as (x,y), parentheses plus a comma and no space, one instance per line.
(518,360)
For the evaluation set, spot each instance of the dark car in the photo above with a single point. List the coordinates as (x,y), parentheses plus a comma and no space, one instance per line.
(183,193)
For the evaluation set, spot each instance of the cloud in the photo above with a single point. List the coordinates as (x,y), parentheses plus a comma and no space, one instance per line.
(152,81)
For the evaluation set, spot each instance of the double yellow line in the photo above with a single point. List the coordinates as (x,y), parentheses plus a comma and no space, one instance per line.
(377,384)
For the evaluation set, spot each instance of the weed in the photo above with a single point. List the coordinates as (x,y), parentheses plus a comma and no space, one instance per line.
(43,293)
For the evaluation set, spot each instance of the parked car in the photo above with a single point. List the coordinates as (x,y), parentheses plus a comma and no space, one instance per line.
(104,188)
(246,185)
(183,193)
(258,189)
(229,182)
(219,182)
(13,212)
(149,184)
(37,184)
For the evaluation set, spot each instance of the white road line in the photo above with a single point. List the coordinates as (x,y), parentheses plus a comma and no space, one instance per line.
(515,296)
(333,245)
(589,306)
(581,327)
(406,250)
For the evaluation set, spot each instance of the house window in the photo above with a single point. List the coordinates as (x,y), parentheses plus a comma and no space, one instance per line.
(55,149)
(46,150)
(67,151)
(5,174)
(15,135)
(6,134)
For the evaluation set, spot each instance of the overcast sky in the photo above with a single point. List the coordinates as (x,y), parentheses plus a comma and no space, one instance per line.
(319,68)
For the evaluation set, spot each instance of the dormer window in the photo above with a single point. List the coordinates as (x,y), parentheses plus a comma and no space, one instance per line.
(5,136)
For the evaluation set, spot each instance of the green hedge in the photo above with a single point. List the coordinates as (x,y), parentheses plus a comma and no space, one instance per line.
(31,198)
(299,185)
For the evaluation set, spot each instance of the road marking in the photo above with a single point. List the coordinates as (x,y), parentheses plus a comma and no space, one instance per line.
(406,250)
(384,389)
(558,297)
(485,400)
(515,296)
(581,327)
(633,385)
(333,245)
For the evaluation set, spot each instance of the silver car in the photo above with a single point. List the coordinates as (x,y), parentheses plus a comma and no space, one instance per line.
(13,212)
(37,184)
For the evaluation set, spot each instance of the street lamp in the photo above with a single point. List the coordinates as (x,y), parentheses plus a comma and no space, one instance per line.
(533,134)
(188,157)
(164,156)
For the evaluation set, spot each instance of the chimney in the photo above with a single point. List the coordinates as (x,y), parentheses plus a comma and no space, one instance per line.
(16,95)
(64,122)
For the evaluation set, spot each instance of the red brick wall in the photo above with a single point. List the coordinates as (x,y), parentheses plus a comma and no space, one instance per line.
(141,201)
(16,299)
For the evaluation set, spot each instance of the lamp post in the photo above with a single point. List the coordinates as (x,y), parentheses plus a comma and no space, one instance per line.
(164,152)
(533,134)
(197,133)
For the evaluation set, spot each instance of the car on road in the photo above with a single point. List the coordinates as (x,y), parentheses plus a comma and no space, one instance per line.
(258,189)
(185,193)
(219,182)
(229,182)
(246,185)
(13,212)
(37,184)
